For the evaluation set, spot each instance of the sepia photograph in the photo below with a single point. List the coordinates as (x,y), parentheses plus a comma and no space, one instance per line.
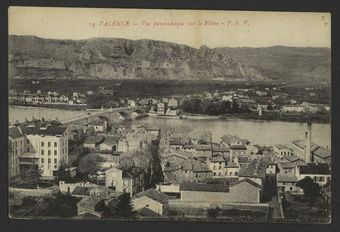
(169,115)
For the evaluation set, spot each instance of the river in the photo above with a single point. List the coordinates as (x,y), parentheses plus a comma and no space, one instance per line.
(258,132)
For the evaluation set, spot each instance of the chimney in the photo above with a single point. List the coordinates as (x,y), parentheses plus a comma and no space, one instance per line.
(308,135)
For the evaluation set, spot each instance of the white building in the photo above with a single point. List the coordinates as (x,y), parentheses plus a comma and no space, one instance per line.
(46,145)
(16,143)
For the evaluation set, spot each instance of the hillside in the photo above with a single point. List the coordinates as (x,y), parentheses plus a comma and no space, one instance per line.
(107,59)
(286,63)
(32,57)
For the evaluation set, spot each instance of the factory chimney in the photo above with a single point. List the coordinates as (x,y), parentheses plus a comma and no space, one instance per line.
(308,135)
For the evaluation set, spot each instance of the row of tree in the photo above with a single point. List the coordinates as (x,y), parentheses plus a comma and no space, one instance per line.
(209,107)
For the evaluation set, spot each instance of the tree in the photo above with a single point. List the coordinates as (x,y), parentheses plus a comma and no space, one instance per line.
(213,212)
(90,163)
(64,206)
(123,208)
(31,175)
(63,175)
(311,189)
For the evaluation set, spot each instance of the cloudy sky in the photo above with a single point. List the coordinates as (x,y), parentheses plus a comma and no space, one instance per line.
(190,27)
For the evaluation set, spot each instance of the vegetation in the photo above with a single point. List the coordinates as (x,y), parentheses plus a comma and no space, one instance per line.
(63,206)
(311,189)
(269,188)
(90,163)
(29,177)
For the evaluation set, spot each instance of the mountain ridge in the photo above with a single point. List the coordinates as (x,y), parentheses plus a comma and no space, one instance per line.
(33,57)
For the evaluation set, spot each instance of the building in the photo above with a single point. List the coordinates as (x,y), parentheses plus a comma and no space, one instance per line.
(237,149)
(242,191)
(293,108)
(282,150)
(16,143)
(46,146)
(124,181)
(100,125)
(150,199)
(161,108)
(93,141)
(321,155)
(319,172)
(217,166)
(286,182)
(173,103)
(109,145)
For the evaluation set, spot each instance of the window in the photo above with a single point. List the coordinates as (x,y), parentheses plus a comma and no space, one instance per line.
(42,152)
(49,152)
(28,149)
(28,141)
(291,188)
(55,161)
(55,144)
(42,160)
(49,160)
(42,143)
(214,173)
(49,144)
(55,152)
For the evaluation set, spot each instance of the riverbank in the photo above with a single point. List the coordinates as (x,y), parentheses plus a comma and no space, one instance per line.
(264,117)
(54,106)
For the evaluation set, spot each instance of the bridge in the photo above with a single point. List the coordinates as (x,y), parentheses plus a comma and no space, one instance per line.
(91,115)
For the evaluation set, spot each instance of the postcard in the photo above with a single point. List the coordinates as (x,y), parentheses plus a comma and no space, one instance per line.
(175,115)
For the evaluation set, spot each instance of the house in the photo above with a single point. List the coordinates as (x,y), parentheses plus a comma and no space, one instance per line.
(193,170)
(161,108)
(298,147)
(286,182)
(319,153)
(217,166)
(293,108)
(109,145)
(100,125)
(92,205)
(127,181)
(132,103)
(319,172)
(232,169)
(150,199)
(237,149)
(92,142)
(242,191)
(286,167)
(281,150)
(255,171)
(173,103)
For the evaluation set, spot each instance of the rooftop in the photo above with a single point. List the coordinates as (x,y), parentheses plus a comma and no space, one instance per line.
(301,143)
(281,147)
(322,152)
(286,177)
(95,139)
(38,127)
(153,194)
(246,180)
(312,168)
(218,187)
(15,132)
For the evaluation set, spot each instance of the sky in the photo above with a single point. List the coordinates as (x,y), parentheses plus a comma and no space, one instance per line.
(190,27)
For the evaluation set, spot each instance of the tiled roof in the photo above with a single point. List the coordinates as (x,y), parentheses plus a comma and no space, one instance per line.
(322,152)
(238,147)
(79,190)
(90,202)
(42,128)
(95,139)
(287,165)
(153,194)
(301,144)
(219,187)
(291,158)
(111,140)
(286,177)
(216,159)
(220,149)
(15,132)
(312,168)
(232,165)
(281,146)
(228,139)
(249,181)
(243,159)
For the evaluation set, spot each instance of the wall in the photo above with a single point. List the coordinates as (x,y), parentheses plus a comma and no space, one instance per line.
(149,203)
(242,192)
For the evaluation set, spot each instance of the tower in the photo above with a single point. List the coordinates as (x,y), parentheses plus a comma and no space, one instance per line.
(308,137)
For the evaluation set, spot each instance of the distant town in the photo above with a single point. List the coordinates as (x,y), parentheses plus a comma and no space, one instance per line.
(91,167)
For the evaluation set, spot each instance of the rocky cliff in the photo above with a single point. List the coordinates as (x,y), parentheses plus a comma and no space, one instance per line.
(33,57)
